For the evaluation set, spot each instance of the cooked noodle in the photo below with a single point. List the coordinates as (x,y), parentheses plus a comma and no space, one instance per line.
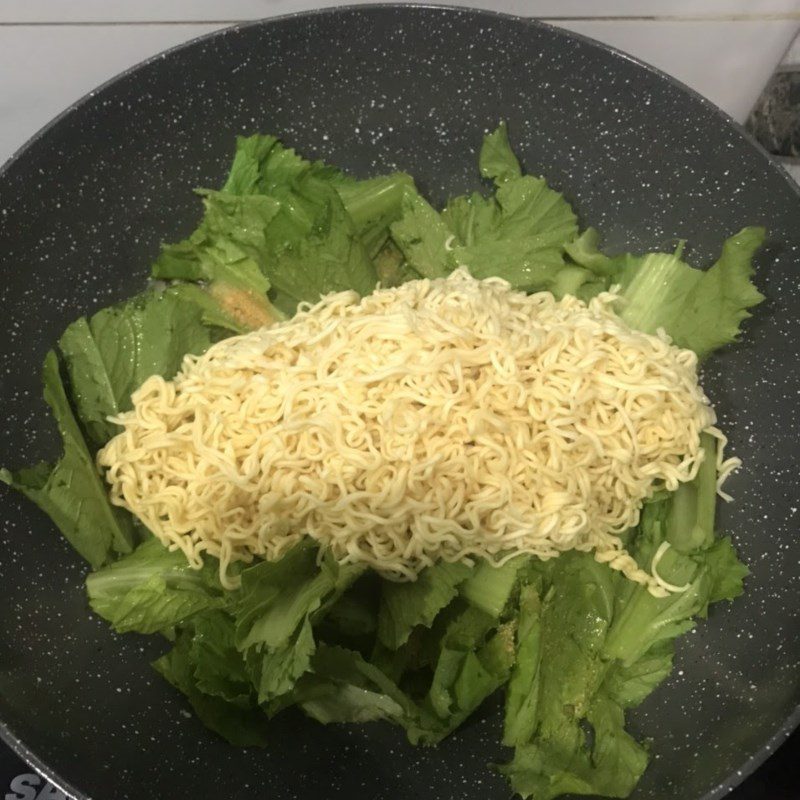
(442,419)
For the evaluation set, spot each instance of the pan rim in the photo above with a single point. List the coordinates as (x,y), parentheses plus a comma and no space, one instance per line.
(782,730)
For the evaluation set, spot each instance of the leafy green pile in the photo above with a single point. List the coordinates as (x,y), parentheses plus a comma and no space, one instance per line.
(572,643)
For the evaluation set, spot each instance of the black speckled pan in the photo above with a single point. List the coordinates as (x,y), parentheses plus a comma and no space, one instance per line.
(82,210)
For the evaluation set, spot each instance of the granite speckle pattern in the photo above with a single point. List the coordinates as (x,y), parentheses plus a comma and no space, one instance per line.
(775,120)
(82,210)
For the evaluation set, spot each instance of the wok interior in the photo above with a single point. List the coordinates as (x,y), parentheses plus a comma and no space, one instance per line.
(84,209)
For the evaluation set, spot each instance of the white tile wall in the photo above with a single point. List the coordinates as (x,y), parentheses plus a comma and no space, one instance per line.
(54,51)
(43,69)
(215,10)
(792,57)
(729,62)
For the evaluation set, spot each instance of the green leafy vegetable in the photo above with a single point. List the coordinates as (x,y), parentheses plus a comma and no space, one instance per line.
(474,659)
(575,617)
(406,605)
(701,311)
(612,644)
(278,602)
(573,642)
(726,573)
(530,214)
(274,670)
(489,588)
(262,163)
(611,767)
(471,218)
(713,312)
(71,492)
(106,357)
(690,514)
(239,726)
(643,621)
(263,166)
(277,596)
(281,221)
(423,238)
(110,355)
(219,669)
(618,760)
(629,685)
(710,572)
(373,205)
(584,251)
(152,589)
(354,690)
(497,160)
(330,257)
(518,234)
(228,245)
(352,618)
(522,694)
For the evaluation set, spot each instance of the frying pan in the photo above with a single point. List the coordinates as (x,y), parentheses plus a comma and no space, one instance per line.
(83,208)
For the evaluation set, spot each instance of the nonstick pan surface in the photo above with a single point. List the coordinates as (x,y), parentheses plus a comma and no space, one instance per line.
(83,208)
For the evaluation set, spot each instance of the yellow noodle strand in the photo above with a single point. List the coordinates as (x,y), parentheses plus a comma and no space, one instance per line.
(442,419)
